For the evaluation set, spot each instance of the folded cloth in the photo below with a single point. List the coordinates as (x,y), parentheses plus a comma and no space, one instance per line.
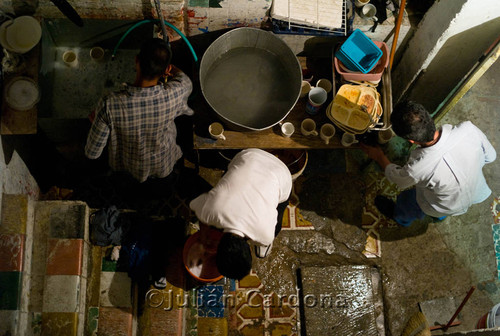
(105,228)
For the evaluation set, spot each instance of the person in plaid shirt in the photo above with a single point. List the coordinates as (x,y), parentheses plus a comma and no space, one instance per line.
(137,122)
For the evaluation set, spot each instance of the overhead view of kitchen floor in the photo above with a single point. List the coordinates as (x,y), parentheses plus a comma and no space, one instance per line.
(337,265)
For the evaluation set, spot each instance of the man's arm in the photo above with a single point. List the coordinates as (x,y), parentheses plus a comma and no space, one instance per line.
(489,151)
(377,154)
(180,87)
(98,134)
(177,78)
(393,172)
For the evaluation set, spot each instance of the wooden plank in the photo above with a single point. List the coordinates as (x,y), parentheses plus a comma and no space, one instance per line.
(270,138)
(18,122)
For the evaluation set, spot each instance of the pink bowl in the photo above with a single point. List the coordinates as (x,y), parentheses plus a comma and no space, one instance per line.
(374,75)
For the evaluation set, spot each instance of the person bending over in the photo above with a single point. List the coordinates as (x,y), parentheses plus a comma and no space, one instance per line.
(445,169)
(246,205)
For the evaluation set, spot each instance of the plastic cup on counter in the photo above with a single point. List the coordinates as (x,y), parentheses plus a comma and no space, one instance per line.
(317,97)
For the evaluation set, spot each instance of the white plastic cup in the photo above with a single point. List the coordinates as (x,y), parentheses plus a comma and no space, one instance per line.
(348,139)
(69,58)
(308,127)
(326,132)
(216,131)
(325,84)
(317,97)
(368,11)
(287,129)
(304,89)
(360,3)
(385,136)
(97,54)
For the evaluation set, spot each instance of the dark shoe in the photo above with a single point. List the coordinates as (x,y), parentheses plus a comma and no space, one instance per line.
(385,206)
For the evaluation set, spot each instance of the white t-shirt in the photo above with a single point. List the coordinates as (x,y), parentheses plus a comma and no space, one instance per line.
(244,201)
(448,175)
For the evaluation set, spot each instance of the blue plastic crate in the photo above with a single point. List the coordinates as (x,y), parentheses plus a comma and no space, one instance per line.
(358,52)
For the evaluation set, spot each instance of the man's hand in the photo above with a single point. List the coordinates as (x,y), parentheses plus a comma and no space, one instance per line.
(377,154)
(92,116)
(373,152)
(168,71)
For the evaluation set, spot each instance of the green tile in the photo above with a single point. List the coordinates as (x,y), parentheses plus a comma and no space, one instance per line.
(198,3)
(36,323)
(109,265)
(10,289)
(92,320)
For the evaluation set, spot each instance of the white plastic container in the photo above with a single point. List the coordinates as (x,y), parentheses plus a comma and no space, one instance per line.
(21,34)
(22,93)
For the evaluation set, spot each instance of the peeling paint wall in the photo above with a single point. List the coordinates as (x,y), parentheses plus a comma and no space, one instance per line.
(208,15)
(449,40)
(192,17)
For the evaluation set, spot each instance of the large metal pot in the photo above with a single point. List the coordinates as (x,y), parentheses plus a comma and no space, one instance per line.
(251,78)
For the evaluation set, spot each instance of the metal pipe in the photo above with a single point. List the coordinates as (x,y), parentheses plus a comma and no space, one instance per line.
(162,21)
(464,301)
(396,33)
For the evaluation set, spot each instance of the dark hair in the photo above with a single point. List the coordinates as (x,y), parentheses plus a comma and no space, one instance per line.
(234,258)
(412,121)
(154,58)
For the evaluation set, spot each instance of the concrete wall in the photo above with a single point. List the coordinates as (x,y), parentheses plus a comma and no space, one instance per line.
(192,17)
(15,177)
(449,40)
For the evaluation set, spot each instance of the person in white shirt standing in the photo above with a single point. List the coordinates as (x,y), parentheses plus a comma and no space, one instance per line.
(445,168)
(246,204)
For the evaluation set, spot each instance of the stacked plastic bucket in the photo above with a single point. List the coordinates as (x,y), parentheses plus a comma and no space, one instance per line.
(359,53)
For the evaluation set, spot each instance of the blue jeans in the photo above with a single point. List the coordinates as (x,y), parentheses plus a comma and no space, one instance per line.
(407,209)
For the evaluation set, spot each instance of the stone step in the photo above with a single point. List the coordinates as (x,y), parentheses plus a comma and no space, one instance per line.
(16,241)
(54,281)
(46,263)
(61,250)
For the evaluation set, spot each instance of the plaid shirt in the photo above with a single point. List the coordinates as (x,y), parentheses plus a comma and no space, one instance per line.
(139,125)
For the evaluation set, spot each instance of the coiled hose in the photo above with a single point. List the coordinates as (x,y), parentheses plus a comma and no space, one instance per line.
(195,57)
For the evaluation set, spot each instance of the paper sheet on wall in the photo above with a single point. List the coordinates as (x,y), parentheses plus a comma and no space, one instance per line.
(317,13)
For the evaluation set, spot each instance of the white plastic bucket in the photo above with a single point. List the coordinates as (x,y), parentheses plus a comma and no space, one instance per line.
(493,319)
(490,319)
